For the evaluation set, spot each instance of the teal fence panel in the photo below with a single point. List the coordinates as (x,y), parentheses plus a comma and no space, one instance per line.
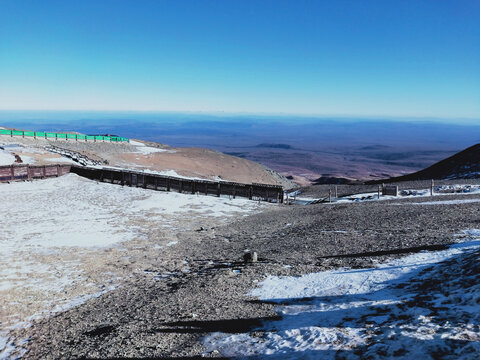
(63,135)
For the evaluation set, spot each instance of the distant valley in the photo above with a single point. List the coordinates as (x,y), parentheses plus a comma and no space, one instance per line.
(304,149)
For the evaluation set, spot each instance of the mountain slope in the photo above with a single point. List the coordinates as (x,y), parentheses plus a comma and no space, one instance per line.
(463,165)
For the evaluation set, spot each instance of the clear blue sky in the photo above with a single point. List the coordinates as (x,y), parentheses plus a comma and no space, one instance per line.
(360,58)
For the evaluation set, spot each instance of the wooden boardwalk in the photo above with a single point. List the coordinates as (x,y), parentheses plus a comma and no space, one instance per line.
(264,192)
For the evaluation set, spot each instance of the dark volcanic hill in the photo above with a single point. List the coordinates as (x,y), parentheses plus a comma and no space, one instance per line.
(463,165)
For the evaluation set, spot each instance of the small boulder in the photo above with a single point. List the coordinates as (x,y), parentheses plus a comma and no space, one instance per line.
(250,256)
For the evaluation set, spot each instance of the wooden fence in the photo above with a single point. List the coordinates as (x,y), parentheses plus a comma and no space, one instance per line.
(265,192)
(30,172)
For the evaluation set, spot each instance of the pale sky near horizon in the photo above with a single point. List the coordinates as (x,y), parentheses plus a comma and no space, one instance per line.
(358,58)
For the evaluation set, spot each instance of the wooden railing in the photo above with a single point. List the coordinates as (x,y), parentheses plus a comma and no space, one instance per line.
(30,172)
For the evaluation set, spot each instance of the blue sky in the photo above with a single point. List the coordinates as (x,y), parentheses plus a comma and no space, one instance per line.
(354,58)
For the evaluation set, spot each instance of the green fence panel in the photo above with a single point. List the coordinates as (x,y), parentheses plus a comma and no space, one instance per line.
(63,135)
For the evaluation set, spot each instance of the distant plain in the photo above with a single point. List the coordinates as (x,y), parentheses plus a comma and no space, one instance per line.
(304,148)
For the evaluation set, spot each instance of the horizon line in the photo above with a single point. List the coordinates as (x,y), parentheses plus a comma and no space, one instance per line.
(248,113)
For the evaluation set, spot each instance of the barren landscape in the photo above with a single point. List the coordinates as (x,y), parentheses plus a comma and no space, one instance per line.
(134,273)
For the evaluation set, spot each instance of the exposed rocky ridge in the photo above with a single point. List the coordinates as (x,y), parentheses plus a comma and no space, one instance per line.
(463,165)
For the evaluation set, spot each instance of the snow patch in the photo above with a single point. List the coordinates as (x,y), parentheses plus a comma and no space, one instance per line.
(383,310)
(6,158)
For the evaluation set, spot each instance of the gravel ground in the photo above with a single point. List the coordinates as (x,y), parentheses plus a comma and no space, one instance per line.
(198,286)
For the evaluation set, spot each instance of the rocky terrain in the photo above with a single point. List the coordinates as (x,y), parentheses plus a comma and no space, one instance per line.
(183,293)
(463,165)
(95,270)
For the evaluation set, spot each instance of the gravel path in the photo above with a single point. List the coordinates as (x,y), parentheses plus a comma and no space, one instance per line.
(198,286)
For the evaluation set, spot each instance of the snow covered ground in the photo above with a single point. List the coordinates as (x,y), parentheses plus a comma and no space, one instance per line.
(6,158)
(426,304)
(55,231)
(146,150)
(29,154)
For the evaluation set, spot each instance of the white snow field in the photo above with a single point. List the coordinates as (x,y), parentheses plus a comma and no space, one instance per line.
(6,158)
(146,150)
(426,304)
(55,231)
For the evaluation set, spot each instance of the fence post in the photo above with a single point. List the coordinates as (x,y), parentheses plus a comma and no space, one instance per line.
(12,172)
(336,191)
(432,188)
(379,192)
(44,171)
(58,170)
(218,189)
(250,192)
(168,184)
(29,173)
(206,188)
(330,195)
